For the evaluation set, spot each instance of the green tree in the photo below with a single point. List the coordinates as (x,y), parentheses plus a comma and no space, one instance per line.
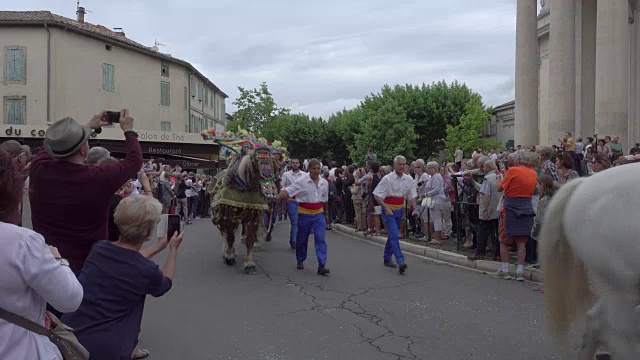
(387,131)
(256,109)
(468,133)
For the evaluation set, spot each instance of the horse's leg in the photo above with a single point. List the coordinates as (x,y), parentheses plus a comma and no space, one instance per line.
(252,237)
(229,254)
(243,233)
(592,332)
(621,329)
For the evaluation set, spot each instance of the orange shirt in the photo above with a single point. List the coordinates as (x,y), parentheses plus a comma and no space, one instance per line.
(520,181)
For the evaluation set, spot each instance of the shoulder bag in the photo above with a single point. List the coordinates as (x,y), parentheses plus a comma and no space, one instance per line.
(60,334)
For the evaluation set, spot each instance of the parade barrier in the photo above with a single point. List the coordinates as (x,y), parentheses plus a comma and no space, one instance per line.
(441,255)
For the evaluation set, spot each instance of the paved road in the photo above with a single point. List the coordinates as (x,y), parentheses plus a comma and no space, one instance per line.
(362,311)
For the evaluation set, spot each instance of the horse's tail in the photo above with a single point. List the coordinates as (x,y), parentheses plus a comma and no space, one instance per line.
(566,289)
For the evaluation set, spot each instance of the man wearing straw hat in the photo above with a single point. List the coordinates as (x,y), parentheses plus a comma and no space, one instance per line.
(70,200)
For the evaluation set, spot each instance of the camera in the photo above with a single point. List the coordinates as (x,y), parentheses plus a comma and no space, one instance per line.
(112,116)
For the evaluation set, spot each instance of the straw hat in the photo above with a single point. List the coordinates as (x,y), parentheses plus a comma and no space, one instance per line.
(65,137)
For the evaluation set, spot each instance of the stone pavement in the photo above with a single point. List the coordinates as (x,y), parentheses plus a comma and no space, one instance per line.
(444,253)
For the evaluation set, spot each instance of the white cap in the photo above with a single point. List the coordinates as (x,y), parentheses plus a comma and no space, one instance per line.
(189,182)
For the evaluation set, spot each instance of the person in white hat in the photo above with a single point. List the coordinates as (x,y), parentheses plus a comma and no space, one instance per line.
(70,200)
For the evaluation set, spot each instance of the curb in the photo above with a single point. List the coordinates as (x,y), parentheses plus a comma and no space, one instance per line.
(441,255)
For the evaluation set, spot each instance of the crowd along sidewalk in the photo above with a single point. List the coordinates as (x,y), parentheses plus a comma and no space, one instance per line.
(441,255)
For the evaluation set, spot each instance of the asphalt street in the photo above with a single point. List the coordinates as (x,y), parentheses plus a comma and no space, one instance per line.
(363,310)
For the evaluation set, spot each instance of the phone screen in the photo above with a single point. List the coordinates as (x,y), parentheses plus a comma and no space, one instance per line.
(173,225)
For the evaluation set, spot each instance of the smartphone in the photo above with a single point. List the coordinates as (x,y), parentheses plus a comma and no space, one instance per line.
(173,225)
(112,116)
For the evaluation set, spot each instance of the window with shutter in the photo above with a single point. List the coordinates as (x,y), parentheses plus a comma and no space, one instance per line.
(186,97)
(15,110)
(200,91)
(206,96)
(16,65)
(108,83)
(165,126)
(193,84)
(164,69)
(165,93)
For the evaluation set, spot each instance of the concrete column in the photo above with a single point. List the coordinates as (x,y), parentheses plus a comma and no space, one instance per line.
(612,70)
(587,119)
(526,121)
(562,70)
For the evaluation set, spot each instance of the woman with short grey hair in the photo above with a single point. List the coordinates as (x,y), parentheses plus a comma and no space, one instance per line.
(435,192)
(117,277)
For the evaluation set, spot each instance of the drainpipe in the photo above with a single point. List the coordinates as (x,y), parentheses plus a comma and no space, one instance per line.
(189,102)
(48,73)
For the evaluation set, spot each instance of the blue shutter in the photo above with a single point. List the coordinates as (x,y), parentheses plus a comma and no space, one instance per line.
(15,65)
(165,93)
(108,83)
(15,112)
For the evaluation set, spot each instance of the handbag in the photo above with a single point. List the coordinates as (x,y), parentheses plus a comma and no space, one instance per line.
(60,334)
(428,203)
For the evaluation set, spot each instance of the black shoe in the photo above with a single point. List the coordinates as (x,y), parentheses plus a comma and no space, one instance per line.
(293,245)
(300,266)
(402,268)
(391,264)
(323,271)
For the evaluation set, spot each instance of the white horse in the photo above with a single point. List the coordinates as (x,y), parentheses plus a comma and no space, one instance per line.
(590,255)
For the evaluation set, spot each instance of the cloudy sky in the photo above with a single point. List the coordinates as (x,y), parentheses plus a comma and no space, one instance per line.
(319,57)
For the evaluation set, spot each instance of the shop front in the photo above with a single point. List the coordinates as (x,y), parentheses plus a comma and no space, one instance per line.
(189,151)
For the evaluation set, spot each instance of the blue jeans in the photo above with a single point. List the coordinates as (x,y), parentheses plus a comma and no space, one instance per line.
(292,210)
(265,217)
(392,246)
(307,224)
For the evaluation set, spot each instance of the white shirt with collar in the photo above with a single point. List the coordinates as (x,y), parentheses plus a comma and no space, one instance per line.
(393,185)
(290,177)
(306,191)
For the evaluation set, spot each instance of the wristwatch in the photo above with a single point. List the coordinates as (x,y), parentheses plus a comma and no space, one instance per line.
(63,262)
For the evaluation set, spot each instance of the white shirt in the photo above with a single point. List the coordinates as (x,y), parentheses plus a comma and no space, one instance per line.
(290,177)
(332,173)
(393,185)
(29,278)
(493,156)
(136,187)
(424,178)
(306,191)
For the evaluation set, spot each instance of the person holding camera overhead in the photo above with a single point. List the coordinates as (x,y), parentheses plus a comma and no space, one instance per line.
(70,200)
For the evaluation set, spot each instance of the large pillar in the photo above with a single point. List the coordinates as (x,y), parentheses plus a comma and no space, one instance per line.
(526,121)
(612,70)
(562,70)
(588,69)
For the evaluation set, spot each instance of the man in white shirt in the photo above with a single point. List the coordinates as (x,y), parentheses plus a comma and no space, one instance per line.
(312,193)
(391,193)
(288,178)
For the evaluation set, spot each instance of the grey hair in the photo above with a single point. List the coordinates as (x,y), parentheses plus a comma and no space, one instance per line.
(545,152)
(420,163)
(491,164)
(434,164)
(522,157)
(136,216)
(95,154)
(399,158)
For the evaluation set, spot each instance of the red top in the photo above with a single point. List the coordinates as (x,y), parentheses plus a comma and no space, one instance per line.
(394,200)
(311,206)
(70,202)
(520,181)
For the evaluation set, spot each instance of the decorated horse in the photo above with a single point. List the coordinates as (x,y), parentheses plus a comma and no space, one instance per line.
(589,248)
(241,193)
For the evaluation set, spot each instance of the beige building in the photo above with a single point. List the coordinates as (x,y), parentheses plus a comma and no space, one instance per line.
(576,64)
(501,125)
(53,67)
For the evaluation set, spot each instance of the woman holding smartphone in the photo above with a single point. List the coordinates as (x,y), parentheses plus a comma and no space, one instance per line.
(118,276)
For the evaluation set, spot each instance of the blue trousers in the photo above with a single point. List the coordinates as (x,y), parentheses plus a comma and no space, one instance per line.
(392,247)
(306,225)
(292,210)
(265,218)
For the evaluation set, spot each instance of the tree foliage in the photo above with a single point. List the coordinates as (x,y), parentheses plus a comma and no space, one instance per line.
(405,120)
(468,133)
(256,109)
